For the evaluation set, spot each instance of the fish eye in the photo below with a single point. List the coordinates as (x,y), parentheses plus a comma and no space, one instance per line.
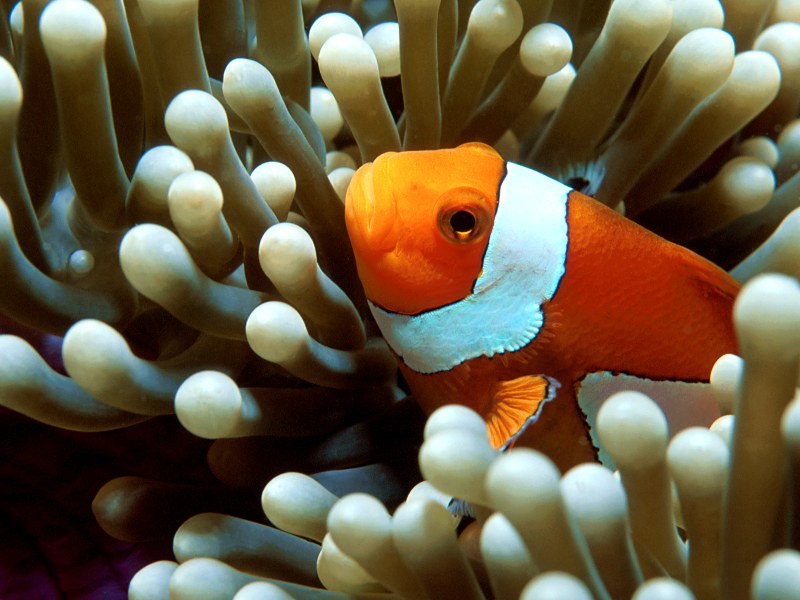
(463,215)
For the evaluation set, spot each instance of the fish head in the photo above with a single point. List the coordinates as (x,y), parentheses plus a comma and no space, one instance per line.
(419,223)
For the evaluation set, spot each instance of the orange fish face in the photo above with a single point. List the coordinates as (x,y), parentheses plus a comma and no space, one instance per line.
(419,237)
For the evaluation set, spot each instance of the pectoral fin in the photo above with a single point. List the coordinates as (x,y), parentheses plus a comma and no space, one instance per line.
(516,404)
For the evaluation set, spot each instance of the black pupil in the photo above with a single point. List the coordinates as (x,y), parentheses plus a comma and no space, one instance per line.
(462,221)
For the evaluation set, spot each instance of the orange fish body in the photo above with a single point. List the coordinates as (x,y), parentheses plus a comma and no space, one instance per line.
(503,290)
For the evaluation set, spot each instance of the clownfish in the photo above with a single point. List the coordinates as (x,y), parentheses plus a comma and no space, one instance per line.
(504,290)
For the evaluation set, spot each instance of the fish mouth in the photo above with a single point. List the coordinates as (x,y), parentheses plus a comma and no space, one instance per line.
(370,211)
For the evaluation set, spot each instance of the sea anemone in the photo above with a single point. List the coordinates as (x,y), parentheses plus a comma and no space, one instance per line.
(173,245)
